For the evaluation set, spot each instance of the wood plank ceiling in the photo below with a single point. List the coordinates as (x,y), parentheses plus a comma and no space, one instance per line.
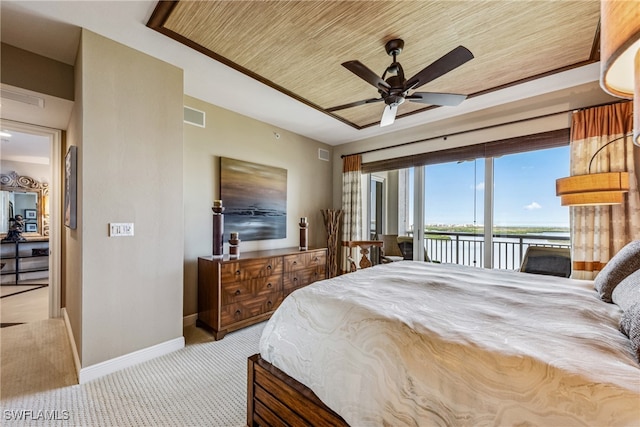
(297,46)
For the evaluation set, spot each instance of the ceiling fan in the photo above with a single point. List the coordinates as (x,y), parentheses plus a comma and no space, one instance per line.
(395,89)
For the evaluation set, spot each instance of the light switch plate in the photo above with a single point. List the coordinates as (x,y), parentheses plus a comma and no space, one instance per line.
(118,229)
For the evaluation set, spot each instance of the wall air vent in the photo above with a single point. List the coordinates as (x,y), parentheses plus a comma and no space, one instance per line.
(22,97)
(323,154)
(194,117)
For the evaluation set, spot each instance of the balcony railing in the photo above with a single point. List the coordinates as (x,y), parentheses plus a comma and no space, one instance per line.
(469,248)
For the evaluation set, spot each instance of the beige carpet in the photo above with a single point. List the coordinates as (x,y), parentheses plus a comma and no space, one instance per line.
(26,307)
(35,357)
(203,384)
(8,290)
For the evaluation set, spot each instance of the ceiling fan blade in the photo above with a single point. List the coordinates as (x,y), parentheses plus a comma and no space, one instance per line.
(361,70)
(433,98)
(354,104)
(446,63)
(388,115)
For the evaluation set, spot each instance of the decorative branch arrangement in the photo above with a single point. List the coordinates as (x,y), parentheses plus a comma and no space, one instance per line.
(332,225)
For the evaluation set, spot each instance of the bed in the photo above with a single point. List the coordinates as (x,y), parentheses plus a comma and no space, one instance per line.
(414,343)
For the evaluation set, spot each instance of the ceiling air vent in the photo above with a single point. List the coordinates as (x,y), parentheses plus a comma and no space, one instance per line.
(194,117)
(22,97)
(323,154)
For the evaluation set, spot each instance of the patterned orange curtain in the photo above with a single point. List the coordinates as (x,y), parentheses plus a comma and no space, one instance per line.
(599,232)
(351,203)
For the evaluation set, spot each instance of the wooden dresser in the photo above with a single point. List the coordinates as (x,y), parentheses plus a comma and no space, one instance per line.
(237,292)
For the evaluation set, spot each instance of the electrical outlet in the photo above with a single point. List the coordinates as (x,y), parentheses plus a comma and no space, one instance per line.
(118,229)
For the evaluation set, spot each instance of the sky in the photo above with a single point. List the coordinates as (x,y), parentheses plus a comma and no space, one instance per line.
(524,190)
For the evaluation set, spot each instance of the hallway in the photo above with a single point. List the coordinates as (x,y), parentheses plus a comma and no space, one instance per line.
(24,304)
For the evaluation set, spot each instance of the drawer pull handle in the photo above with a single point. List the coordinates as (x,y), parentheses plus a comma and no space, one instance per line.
(295,279)
(238,313)
(269,304)
(269,267)
(238,292)
(295,262)
(237,272)
(269,285)
(315,259)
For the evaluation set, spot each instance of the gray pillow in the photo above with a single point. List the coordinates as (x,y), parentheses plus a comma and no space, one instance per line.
(630,326)
(617,269)
(627,292)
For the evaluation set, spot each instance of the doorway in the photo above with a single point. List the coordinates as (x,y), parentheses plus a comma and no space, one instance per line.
(31,283)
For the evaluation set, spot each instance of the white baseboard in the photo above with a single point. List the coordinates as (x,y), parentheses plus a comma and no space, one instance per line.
(113,365)
(72,342)
(189,320)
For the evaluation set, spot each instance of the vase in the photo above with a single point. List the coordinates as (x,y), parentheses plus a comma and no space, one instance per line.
(234,245)
(218,228)
(332,224)
(304,234)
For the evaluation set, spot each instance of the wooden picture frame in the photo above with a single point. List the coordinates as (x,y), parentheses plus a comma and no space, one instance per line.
(70,187)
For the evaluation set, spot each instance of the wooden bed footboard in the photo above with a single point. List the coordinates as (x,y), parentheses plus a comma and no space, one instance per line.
(276,399)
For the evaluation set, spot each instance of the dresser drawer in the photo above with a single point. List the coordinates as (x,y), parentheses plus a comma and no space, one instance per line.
(235,293)
(250,269)
(246,289)
(242,310)
(305,260)
(299,278)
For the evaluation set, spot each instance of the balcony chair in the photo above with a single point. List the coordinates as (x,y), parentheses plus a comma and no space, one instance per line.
(390,251)
(548,261)
(405,243)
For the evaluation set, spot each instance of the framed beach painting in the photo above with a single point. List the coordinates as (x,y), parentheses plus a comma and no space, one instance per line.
(255,199)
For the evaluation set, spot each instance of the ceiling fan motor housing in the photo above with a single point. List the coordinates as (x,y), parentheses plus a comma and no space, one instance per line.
(395,95)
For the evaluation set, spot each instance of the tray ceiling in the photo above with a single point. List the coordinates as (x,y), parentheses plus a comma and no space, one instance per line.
(297,47)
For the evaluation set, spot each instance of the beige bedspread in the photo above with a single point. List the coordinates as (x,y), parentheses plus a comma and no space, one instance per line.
(413,343)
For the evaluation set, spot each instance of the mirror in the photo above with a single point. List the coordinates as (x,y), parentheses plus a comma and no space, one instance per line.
(24,196)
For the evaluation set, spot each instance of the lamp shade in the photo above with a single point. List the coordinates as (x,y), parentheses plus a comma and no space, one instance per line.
(620,52)
(619,44)
(606,188)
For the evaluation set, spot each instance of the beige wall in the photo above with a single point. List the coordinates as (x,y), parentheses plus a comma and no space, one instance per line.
(125,293)
(228,134)
(35,72)
(71,240)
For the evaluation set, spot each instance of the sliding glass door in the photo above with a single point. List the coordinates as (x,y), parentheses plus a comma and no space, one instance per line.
(483,212)
(526,210)
(454,212)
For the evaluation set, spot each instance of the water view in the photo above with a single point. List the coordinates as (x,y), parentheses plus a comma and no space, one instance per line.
(466,244)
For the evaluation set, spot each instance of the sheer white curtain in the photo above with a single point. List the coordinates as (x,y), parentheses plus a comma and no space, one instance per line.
(599,232)
(351,203)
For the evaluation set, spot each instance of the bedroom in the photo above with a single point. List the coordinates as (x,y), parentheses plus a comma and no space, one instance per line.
(107,306)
